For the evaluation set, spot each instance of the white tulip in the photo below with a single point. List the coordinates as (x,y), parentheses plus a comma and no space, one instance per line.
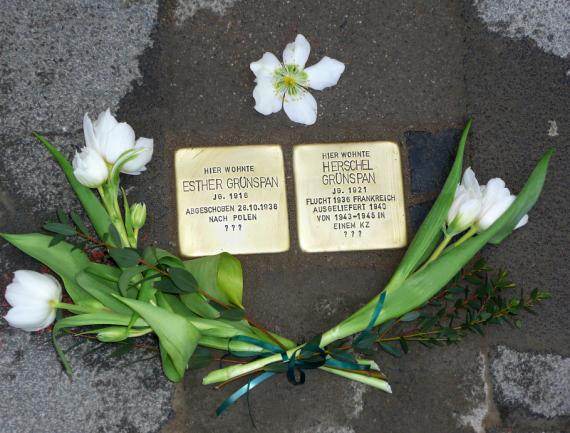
(89,168)
(496,200)
(144,147)
(285,85)
(492,213)
(111,139)
(522,222)
(33,297)
(466,204)
(479,206)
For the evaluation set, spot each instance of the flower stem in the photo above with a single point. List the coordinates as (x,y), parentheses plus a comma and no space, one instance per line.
(468,234)
(79,309)
(445,242)
(110,201)
(438,250)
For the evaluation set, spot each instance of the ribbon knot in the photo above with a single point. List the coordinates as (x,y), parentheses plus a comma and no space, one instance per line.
(307,357)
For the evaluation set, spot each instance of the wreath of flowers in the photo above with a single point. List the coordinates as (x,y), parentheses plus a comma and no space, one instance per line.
(436,295)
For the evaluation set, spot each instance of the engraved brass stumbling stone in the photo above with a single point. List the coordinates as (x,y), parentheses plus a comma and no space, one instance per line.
(350,196)
(231,199)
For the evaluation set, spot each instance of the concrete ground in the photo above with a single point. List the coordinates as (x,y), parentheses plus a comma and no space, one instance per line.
(178,71)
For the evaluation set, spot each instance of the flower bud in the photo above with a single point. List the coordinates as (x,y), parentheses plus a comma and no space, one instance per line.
(138,215)
(89,168)
(112,334)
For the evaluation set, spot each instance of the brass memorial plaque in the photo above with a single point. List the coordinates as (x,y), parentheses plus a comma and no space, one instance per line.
(231,199)
(350,196)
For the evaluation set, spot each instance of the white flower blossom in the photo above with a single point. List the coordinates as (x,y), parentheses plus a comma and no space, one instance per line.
(285,85)
(89,168)
(111,139)
(33,297)
(479,206)
(466,204)
(496,200)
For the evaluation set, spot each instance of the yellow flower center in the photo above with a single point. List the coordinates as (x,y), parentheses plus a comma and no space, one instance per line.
(291,80)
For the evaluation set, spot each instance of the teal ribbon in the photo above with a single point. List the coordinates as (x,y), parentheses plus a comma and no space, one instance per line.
(272,349)
(377,311)
(367,333)
(344,365)
(315,357)
(243,391)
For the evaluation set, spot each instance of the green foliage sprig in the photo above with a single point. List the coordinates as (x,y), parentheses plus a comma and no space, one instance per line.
(473,300)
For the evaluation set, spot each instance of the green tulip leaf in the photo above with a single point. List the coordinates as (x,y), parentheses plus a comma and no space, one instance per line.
(220,276)
(93,208)
(200,306)
(178,337)
(170,371)
(101,318)
(113,236)
(109,273)
(230,279)
(174,304)
(103,291)
(426,282)
(430,232)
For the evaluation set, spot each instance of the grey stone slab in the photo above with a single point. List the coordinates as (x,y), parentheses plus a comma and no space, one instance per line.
(330,404)
(402,71)
(60,59)
(418,213)
(547,22)
(390,86)
(538,381)
(32,182)
(105,394)
(430,157)
(515,91)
